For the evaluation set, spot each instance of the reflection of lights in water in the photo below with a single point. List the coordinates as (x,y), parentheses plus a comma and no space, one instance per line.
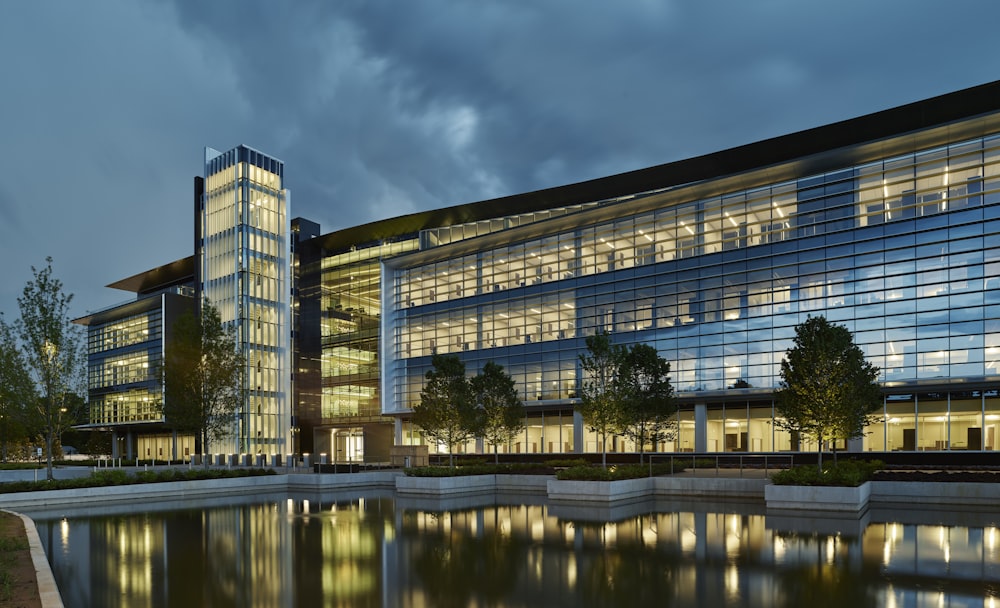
(64,532)
(886,552)
(732,582)
(779,549)
(537,530)
(571,571)
(610,534)
(570,532)
(890,600)
(649,536)
(991,538)
(505,527)
(688,540)
(732,542)
(831,549)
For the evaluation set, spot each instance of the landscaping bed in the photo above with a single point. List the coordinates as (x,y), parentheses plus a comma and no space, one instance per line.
(946,476)
(18,586)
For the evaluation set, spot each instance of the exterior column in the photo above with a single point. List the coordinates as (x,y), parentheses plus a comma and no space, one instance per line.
(577,432)
(397,431)
(129,445)
(114,444)
(173,445)
(700,427)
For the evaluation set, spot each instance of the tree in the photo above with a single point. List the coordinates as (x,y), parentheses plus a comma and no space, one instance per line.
(17,390)
(502,409)
(203,374)
(827,389)
(601,400)
(648,412)
(52,349)
(447,411)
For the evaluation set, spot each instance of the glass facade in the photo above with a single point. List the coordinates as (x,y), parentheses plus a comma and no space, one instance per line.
(122,358)
(902,250)
(244,265)
(125,345)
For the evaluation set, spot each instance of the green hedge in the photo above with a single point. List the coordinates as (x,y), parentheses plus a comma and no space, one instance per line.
(849,473)
(566,462)
(119,477)
(613,472)
(479,469)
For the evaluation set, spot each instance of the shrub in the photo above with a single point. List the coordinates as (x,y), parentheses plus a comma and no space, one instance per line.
(612,473)
(566,462)
(118,477)
(848,473)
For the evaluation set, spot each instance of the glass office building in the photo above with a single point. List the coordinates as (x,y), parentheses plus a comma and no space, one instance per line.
(243,264)
(125,346)
(888,224)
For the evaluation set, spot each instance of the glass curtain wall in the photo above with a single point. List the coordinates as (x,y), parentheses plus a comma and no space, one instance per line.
(244,274)
(121,379)
(897,250)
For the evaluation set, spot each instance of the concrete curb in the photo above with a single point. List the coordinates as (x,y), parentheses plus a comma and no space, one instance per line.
(177,490)
(48,592)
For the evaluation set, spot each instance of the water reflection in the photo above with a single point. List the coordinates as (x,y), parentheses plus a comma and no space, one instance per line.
(379,552)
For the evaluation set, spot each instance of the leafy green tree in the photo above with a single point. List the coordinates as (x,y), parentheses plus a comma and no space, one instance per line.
(51,344)
(502,409)
(648,408)
(203,374)
(827,389)
(17,390)
(447,411)
(601,400)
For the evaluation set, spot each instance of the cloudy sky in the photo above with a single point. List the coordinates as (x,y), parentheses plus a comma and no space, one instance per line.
(384,108)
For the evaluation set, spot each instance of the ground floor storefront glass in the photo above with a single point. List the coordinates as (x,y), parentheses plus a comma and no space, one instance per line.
(939,421)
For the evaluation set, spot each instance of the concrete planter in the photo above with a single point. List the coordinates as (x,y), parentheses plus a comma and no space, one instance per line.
(600,491)
(936,493)
(445,486)
(818,498)
(748,488)
(522,484)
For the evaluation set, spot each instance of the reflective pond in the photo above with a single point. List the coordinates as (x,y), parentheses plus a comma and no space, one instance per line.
(381,551)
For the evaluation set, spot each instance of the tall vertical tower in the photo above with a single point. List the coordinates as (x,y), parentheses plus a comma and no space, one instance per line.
(243,270)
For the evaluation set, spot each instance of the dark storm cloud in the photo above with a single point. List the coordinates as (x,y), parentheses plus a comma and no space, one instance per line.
(385,108)
(390,107)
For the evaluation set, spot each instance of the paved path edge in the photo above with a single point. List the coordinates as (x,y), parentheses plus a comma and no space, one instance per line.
(48,592)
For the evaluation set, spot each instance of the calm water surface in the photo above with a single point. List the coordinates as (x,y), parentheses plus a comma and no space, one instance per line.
(380,551)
